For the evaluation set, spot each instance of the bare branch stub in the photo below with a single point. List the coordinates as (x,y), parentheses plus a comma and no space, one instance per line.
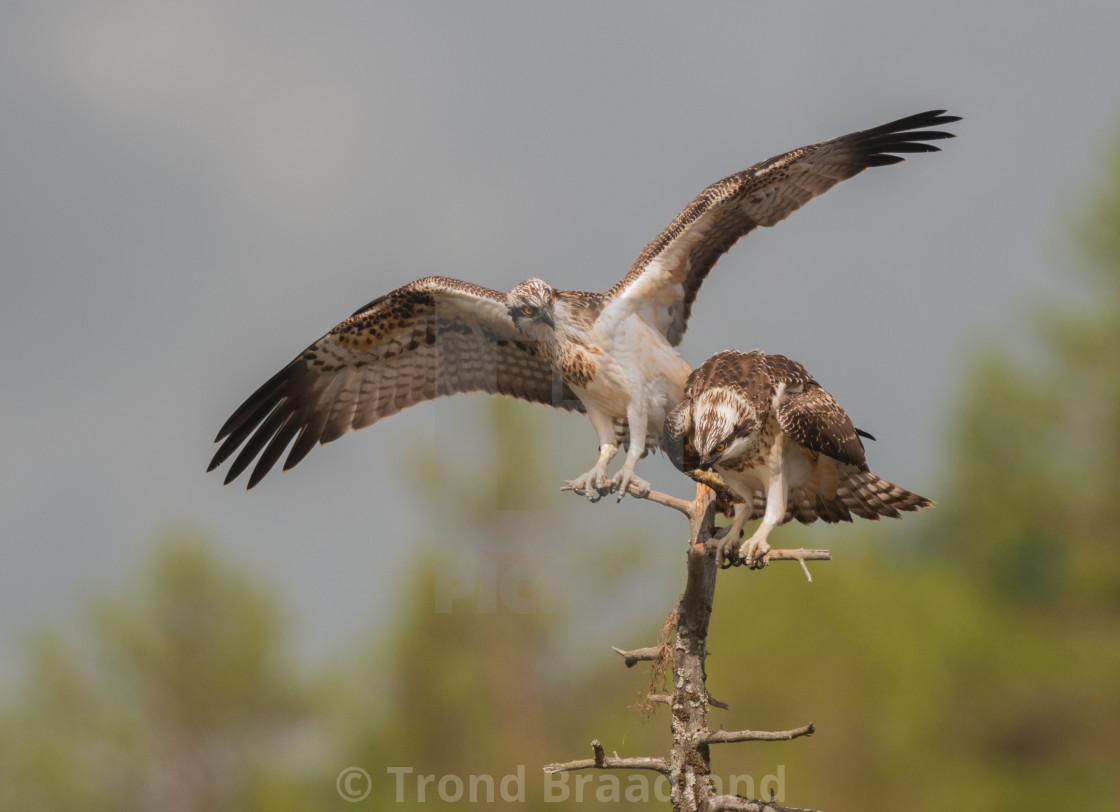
(601,761)
(715,703)
(800,554)
(637,655)
(736,803)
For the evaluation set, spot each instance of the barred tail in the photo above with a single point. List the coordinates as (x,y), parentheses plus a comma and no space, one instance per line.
(871,496)
(859,493)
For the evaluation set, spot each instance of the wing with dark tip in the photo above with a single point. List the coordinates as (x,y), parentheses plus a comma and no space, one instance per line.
(667,275)
(431,338)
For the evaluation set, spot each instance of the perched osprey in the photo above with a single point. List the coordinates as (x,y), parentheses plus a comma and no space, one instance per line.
(781,443)
(610,355)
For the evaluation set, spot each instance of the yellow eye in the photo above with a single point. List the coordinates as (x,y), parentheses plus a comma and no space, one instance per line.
(528,311)
(721,446)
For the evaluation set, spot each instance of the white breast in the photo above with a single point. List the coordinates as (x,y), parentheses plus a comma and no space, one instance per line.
(637,357)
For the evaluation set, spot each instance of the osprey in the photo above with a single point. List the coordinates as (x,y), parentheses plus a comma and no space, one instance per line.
(781,443)
(610,355)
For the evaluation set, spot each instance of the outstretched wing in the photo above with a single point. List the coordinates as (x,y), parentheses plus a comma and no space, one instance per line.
(668,273)
(434,337)
(811,417)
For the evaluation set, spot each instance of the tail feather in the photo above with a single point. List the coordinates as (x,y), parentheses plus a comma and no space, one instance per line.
(859,499)
(801,506)
(872,497)
(833,510)
(861,493)
(807,507)
(622,437)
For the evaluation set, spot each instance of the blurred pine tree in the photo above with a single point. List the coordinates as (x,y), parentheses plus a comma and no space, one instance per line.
(177,695)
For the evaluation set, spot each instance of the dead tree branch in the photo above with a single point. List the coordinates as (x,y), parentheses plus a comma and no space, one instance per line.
(688,767)
(729,736)
(603,762)
(736,803)
(636,656)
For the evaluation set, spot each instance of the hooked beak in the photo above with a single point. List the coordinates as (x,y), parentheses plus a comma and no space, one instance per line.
(705,465)
(546,317)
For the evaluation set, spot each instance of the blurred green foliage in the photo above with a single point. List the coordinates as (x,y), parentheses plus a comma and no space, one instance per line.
(967,658)
(176,695)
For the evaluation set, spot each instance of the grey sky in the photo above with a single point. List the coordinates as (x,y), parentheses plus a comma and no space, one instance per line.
(192,192)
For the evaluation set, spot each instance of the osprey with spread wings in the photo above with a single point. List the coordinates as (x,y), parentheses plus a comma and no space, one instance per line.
(610,355)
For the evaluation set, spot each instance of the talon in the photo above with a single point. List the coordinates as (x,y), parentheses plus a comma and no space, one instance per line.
(624,479)
(727,553)
(643,487)
(592,494)
(723,561)
(756,554)
(621,482)
(592,485)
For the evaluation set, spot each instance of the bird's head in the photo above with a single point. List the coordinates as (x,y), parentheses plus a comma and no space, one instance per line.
(529,304)
(723,424)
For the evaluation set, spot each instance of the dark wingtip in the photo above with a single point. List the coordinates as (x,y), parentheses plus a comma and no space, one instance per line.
(919,125)
(941,118)
(884,160)
(938,117)
(930,118)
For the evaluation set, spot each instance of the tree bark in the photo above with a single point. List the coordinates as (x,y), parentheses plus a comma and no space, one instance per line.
(690,760)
